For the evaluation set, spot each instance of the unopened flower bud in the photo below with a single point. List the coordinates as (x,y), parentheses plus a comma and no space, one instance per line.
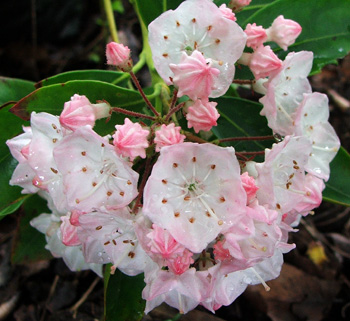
(119,55)
(238,5)
(256,35)
(283,32)
(264,61)
(227,12)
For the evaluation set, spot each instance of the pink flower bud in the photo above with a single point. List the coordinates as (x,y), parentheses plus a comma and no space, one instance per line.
(256,35)
(168,135)
(249,186)
(77,112)
(264,61)
(118,55)
(238,5)
(283,32)
(202,115)
(130,140)
(194,76)
(227,12)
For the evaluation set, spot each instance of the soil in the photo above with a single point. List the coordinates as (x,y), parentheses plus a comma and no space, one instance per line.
(47,38)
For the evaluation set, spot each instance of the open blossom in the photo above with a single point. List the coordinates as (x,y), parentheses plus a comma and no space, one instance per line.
(118,55)
(130,140)
(168,135)
(109,237)
(194,192)
(202,115)
(93,175)
(80,112)
(283,32)
(256,35)
(197,25)
(312,122)
(194,76)
(285,91)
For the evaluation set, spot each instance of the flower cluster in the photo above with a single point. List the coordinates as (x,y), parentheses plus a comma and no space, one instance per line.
(204,221)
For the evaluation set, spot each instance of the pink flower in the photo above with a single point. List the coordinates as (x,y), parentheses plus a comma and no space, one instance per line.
(94,176)
(238,5)
(202,115)
(168,135)
(256,35)
(181,263)
(197,25)
(194,192)
(285,91)
(312,122)
(80,112)
(118,55)
(283,32)
(69,232)
(194,76)
(249,186)
(130,140)
(227,12)
(263,62)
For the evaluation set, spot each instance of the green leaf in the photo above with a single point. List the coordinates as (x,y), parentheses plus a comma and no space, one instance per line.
(241,118)
(12,89)
(338,187)
(10,126)
(29,243)
(52,98)
(123,299)
(101,75)
(325,23)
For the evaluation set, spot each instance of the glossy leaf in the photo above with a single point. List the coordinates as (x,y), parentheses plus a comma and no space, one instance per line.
(29,245)
(10,126)
(123,299)
(325,23)
(337,188)
(12,89)
(52,98)
(241,118)
(101,75)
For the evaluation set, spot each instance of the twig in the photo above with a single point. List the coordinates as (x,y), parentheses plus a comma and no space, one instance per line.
(231,139)
(132,113)
(76,306)
(174,110)
(138,86)
(51,292)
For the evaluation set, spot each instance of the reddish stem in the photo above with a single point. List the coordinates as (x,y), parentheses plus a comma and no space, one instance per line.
(174,110)
(145,175)
(132,113)
(138,86)
(231,139)
(243,81)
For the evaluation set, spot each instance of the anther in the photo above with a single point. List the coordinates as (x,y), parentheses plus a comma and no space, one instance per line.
(98,227)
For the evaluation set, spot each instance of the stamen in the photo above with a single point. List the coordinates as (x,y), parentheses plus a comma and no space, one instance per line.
(267,288)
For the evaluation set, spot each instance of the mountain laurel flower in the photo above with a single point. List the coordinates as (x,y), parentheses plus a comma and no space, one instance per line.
(256,35)
(202,115)
(263,62)
(130,140)
(197,25)
(194,76)
(283,32)
(80,112)
(168,135)
(227,12)
(118,55)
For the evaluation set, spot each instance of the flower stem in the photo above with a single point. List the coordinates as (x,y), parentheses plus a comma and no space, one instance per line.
(139,88)
(132,113)
(111,21)
(243,81)
(193,138)
(174,110)
(233,139)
